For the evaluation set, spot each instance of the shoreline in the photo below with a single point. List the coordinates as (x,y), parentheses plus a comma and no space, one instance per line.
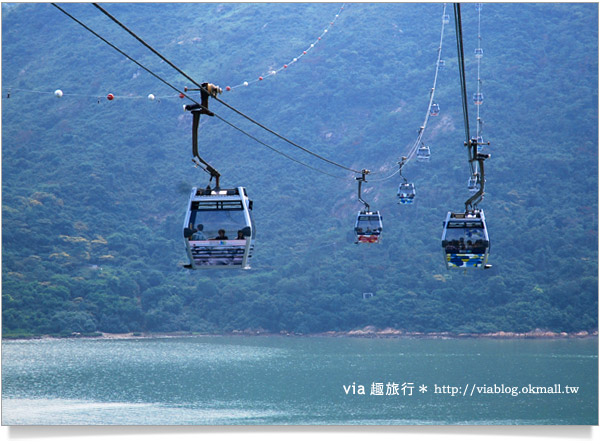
(366,332)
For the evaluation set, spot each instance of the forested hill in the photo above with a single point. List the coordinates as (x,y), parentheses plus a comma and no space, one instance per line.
(94,191)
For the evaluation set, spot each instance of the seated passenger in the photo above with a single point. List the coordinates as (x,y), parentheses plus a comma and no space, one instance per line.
(199,235)
(221,235)
(240,235)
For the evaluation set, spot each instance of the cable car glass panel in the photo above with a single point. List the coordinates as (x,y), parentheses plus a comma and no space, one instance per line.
(368,227)
(465,240)
(406,193)
(218,229)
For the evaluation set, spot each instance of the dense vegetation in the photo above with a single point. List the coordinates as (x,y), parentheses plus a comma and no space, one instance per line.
(94,192)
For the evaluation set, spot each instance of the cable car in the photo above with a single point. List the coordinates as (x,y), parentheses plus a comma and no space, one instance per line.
(478,53)
(423,154)
(441,64)
(368,228)
(478,98)
(435,109)
(465,240)
(478,7)
(406,193)
(446,19)
(219,229)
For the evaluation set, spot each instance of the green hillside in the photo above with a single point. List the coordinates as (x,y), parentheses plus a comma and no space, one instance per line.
(94,192)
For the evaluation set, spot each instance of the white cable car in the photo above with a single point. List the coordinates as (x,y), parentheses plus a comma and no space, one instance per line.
(368,227)
(446,19)
(442,64)
(465,240)
(478,53)
(423,154)
(406,193)
(218,229)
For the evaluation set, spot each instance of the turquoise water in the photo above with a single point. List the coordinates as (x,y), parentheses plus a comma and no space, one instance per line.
(299,380)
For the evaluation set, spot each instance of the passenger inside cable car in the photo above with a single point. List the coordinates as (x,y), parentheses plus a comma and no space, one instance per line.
(368,227)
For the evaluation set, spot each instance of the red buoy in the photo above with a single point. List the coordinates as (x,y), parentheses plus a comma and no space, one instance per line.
(181,95)
(110,97)
(260,78)
(228,88)
(285,66)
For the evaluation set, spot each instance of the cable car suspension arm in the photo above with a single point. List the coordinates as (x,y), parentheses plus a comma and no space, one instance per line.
(360,182)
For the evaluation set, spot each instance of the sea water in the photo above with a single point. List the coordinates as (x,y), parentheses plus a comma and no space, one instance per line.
(235,380)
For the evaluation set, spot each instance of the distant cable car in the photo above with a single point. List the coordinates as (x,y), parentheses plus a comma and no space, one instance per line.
(473,184)
(441,64)
(423,154)
(435,109)
(446,19)
(478,7)
(218,229)
(478,98)
(478,53)
(406,193)
(368,227)
(465,240)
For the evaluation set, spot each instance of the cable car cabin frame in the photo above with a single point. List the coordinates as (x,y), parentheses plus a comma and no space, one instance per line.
(406,193)
(210,211)
(368,227)
(465,240)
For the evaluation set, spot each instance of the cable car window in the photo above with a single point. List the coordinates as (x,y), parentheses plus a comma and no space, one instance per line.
(368,224)
(465,238)
(215,216)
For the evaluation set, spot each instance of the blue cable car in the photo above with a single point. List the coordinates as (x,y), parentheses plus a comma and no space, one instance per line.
(478,98)
(478,53)
(435,109)
(465,240)
(446,19)
(368,227)
(219,229)
(423,154)
(406,193)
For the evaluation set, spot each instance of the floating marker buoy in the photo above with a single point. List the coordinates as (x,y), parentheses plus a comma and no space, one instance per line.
(285,66)
(151,96)
(295,59)
(303,52)
(228,88)
(260,78)
(273,73)
(245,83)
(58,93)
(181,95)
(110,97)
